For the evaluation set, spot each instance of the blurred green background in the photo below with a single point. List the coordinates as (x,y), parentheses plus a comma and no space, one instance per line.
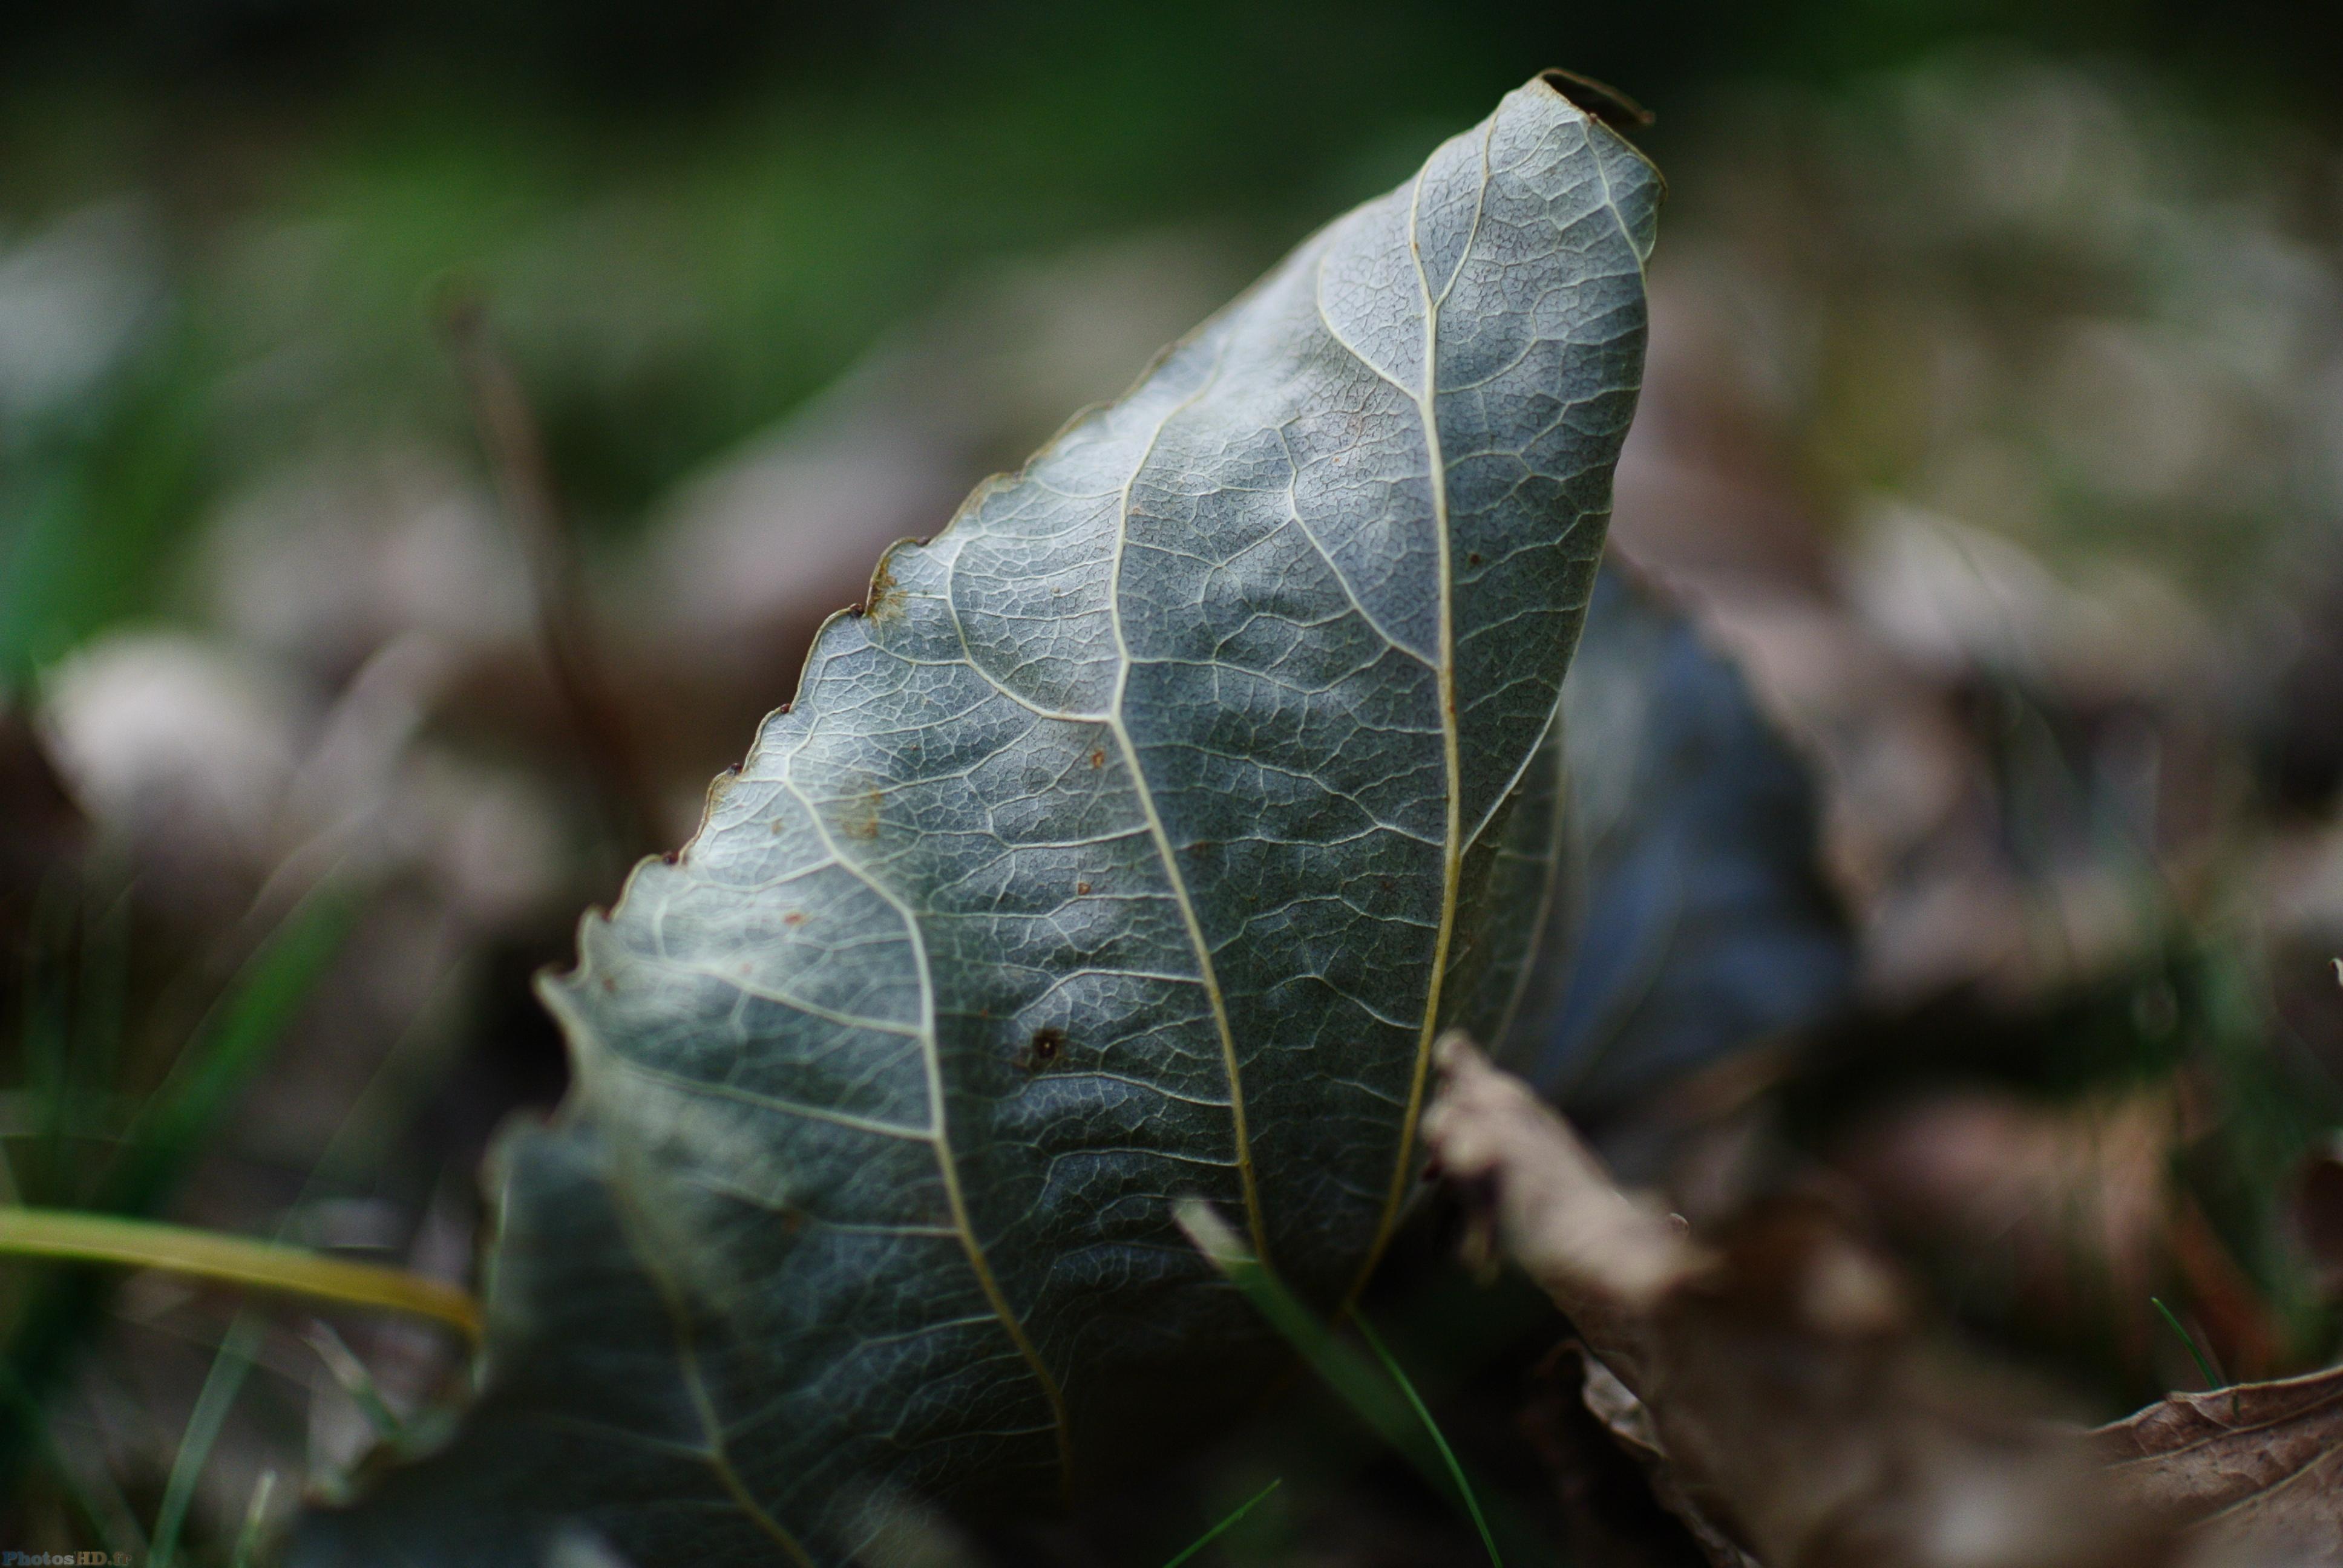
(689,217)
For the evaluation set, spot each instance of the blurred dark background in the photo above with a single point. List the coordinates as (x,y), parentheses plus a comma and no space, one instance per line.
(1993,443)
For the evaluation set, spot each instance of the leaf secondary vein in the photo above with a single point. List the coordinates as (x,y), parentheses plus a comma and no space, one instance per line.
(940,1134)
(716,1455)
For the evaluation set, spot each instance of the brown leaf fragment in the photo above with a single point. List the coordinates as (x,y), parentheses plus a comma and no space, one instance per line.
(2067,1207)
(2258,1462)
(1606,1257)
(2068,1216)
(1629,1422)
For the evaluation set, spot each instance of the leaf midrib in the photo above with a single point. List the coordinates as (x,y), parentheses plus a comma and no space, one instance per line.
(1452,856)
(1206,971)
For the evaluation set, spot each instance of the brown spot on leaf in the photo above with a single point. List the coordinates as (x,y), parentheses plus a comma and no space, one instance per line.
(1081,888)
(886,597)
(1097,758)
(794,918)
(1043,1049)
(861,818)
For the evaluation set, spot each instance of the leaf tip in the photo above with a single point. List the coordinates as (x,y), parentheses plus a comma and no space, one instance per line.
(1600,99)
(1211,1234)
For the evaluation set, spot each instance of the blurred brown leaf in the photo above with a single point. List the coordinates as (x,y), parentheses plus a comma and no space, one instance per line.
(1791,1409)
(2066,1216)
(2059,1213)
(1799,1419)
(2054,1193)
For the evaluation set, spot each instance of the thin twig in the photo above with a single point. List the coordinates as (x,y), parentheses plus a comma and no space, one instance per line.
(514,448)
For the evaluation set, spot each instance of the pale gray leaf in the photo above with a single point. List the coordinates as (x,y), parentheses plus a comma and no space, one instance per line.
(1133,843)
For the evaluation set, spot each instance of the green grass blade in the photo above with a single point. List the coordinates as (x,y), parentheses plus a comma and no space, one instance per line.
(1396,1413)
(2214,1381)
(255,1522)
(109,1517)
(1225,1525)
(229,1047)
(221,1385)
(1448,1455)
(357,1383)
(234,1259)
(1350,1374)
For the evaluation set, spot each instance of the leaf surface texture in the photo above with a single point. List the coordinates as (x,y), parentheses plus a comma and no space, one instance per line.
(1133,843)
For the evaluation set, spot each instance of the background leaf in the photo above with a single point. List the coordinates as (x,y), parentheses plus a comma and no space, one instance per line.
(1133,842)
(2254,1461)
(1699,920)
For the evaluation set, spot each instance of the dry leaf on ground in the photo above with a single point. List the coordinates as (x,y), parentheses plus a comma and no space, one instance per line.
(1776,1386)
(2259,1463)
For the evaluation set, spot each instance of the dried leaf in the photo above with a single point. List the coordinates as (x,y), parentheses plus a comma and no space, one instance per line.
(1629,1422)
(2258,1465)
(1795,1415)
